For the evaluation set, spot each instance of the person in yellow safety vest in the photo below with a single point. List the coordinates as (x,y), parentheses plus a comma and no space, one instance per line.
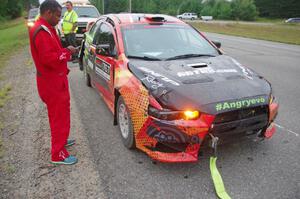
(69,25)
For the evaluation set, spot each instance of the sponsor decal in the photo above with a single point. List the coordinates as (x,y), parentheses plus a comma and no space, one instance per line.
(62,56)
(170,134)
(162,77)
(240,104)
(206,70)
(246,71)
(102,68)
(153,81)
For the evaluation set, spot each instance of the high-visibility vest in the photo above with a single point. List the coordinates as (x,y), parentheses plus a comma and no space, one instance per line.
(70,18)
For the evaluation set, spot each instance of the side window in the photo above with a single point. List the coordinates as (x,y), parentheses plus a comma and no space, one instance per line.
(94,28)
(104,35)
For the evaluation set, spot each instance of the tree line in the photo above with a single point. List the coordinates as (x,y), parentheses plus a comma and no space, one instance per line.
(10,9)
(219,9)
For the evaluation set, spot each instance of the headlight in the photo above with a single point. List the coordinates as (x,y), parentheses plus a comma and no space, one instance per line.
(30,24)
(166,114)
(190,115)
(155,110)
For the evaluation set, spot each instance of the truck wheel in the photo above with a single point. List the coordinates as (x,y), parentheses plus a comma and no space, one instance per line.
(125,124)
(192,18)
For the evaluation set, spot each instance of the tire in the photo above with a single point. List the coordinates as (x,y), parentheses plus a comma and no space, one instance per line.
(192,18)
(87,78)
(125,124)
(180,18)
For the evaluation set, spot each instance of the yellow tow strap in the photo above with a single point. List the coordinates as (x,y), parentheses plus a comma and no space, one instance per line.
(217,179)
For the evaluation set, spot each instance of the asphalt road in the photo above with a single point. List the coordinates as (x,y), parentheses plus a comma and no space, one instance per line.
(250,169)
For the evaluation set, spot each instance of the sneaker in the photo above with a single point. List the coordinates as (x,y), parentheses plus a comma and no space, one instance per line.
(68,161)
(70,142)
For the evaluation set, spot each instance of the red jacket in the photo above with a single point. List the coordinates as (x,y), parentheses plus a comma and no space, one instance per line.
(49,56)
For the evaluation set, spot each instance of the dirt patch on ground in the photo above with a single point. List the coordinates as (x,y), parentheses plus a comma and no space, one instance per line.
(25,171)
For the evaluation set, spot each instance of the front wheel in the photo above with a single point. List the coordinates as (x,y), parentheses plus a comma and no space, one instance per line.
(125,124)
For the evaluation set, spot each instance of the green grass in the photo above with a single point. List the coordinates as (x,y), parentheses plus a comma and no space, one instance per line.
(269,20)
(4,95)
(284,33)
(13,36)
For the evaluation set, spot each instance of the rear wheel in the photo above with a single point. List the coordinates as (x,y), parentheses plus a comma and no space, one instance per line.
(125,124)
(87,78)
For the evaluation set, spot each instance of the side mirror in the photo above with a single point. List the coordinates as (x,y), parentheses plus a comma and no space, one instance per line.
(217,44)
(105,50)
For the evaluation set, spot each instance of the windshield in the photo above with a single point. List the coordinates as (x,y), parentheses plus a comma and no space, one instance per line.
(81,11)
(165,42)
(33,13)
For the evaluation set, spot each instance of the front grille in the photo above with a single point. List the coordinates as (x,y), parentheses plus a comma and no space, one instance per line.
(240,121)
(81,28)
(241,114)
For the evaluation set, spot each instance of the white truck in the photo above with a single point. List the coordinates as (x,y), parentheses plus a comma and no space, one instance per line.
(86,13)
(188,15)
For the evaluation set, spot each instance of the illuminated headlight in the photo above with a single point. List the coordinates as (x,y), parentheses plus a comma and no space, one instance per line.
(166,114)
(190,115)
(30,24)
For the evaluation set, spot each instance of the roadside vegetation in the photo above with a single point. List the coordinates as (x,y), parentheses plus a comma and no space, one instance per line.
(278,32)
(13,36)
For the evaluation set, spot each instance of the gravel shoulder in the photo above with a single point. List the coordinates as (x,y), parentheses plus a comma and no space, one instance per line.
(25,171)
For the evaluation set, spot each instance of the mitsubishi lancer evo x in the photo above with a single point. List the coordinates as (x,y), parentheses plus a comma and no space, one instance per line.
(169,87)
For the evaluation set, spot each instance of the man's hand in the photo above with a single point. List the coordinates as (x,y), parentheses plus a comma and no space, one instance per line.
(73,49)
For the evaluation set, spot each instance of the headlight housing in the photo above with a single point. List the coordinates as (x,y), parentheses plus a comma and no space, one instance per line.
(30,24)
(155,110)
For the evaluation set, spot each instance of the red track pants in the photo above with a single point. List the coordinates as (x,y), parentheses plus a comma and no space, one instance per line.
(54,92)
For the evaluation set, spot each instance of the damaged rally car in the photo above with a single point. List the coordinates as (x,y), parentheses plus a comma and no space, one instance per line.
(169,87)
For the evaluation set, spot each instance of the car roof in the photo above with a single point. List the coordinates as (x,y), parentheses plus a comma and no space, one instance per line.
(141,18)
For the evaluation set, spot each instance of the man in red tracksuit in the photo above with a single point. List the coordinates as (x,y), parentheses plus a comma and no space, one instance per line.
(50,59)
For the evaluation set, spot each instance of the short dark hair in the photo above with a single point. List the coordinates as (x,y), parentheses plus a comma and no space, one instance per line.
(51,5)
(69,3)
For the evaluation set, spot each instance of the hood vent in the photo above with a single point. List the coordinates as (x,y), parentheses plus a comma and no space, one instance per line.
(197,65)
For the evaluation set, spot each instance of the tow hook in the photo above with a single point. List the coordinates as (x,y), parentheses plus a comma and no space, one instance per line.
(216,176)
(214,143)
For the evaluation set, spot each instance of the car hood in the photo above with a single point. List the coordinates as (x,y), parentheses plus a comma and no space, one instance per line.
(205,84)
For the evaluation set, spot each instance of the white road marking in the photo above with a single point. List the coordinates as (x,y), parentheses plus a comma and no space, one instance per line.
(281,127)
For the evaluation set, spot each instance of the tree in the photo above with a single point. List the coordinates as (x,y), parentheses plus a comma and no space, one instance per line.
(243,10)
(278,8)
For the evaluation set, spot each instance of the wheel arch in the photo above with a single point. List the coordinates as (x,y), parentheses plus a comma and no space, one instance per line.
(117,95)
